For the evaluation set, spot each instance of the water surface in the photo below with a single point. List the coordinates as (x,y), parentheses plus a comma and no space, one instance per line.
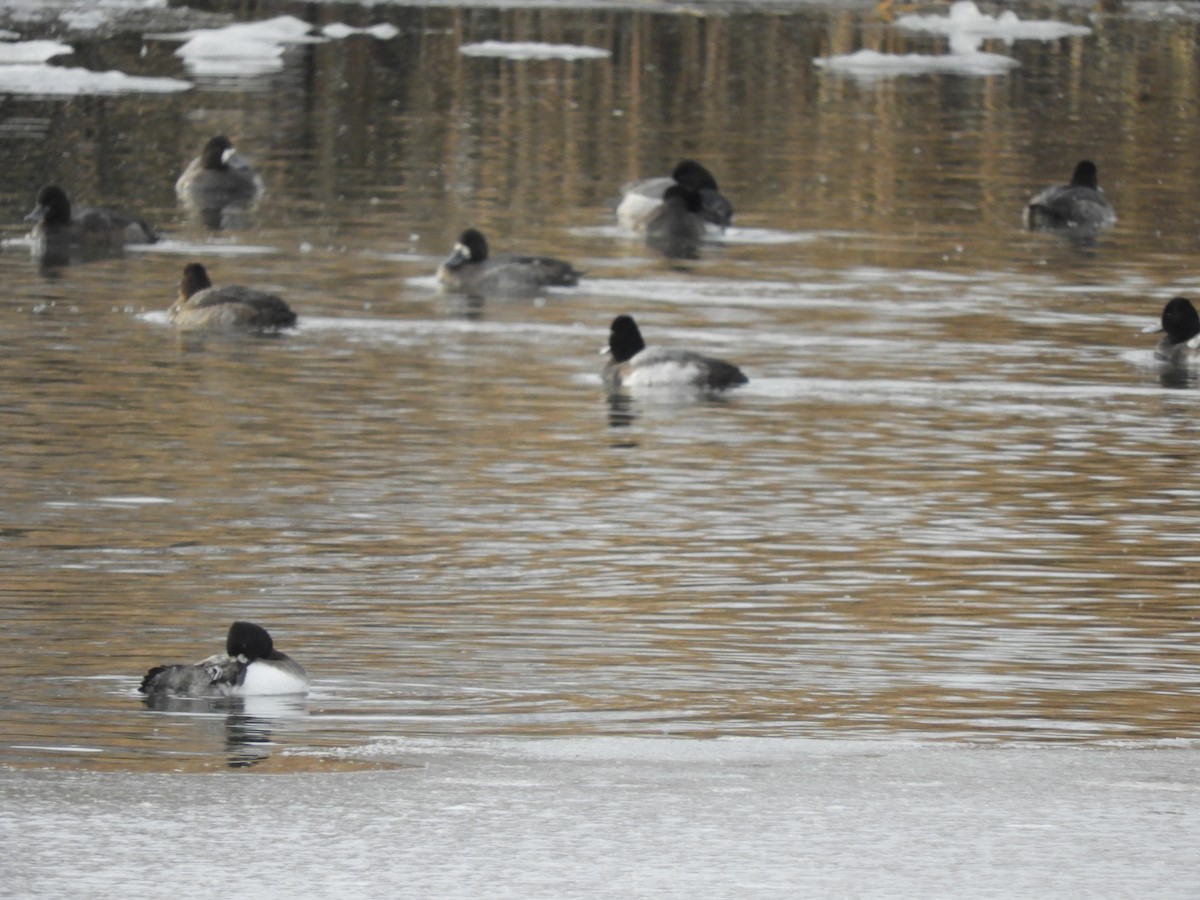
(955,503)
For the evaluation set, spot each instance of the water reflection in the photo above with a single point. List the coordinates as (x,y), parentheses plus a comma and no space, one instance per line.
(1178,375)
(249,722)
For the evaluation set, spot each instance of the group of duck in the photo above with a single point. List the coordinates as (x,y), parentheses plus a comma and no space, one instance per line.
(674,213)
(1080,209)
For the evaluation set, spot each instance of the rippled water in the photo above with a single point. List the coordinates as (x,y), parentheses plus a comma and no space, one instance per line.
(957,500)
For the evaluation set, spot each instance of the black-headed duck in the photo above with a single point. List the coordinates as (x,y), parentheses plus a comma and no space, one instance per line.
(633,365)
(249,667)
(640,199)
(1078,206)
(472,271)
(62,234)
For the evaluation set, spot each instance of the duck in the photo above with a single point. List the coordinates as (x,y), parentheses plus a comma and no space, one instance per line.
(633,365)
(470,270)
(677,227)
(1079,205)
(640,199)
(249,667)
(219,177)
(202,307)
(1180,331)
(62,235)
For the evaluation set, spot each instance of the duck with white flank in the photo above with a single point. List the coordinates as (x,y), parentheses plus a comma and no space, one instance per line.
(249,667)
(1180,331)
(640,199)
(633,365)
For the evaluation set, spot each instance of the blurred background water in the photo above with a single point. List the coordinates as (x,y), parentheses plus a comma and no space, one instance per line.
(957,501)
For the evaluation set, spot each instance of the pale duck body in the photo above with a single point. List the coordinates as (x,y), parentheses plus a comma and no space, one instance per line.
(1180,332)
(640,200)
(633,365)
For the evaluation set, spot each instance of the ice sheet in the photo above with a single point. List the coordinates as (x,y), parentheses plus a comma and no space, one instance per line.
(245,49)
(532,50)
(625,818)
(338,30)
(249,49)
(32,51)
(965,18)
(46,80)
(872,64)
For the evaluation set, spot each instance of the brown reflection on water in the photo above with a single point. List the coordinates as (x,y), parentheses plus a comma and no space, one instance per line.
(953,502)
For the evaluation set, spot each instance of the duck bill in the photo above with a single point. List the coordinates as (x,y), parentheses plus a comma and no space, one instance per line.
(460,256)
(36,215)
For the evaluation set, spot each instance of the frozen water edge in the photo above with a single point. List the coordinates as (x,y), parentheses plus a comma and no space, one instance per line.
(627,817)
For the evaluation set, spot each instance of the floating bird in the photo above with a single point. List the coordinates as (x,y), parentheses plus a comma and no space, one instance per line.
(641,199)
(470,270)
(676,228)
(217,179)
(1080,205)
(1180,331)
(633,365)
(61,235)
(250,666)
(202,307)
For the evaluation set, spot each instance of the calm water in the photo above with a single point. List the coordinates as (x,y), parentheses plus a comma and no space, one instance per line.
(958,500)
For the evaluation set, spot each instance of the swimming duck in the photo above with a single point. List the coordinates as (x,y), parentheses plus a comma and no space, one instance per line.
(250,666)
(1180,331)
(1078,205)
(469,270)
(676,228)
(219,177)
(632,365)
(61,235)
(642,198)
(202,307)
